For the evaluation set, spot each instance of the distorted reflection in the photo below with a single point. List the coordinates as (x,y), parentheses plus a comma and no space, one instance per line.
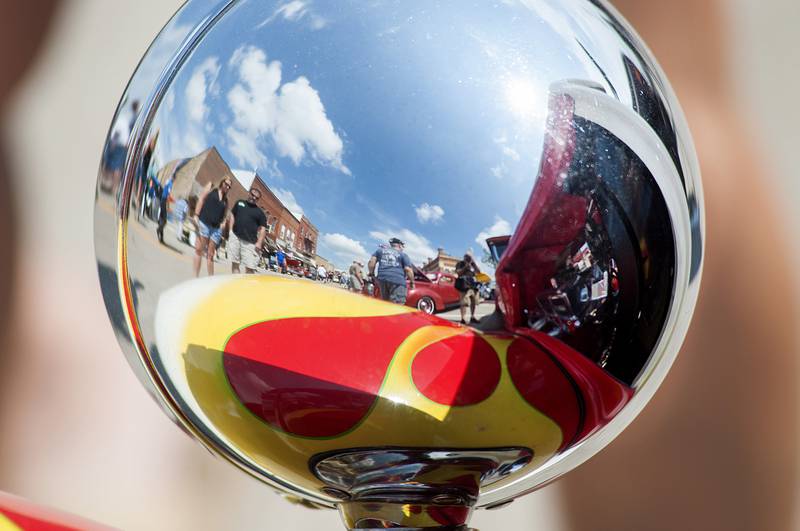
(405,227)
(115,150)
(575,263)
(590,251)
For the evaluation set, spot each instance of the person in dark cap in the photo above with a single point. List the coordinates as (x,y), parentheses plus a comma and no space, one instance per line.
(356,277)
(467,287)
(394,268)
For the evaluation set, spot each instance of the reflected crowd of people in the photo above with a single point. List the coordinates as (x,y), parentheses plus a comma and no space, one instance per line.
(221,230)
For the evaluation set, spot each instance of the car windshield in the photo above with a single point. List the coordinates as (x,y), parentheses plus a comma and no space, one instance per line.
(420,276)
(497,249)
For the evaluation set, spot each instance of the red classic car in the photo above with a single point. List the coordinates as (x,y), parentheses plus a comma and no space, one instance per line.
(434,292)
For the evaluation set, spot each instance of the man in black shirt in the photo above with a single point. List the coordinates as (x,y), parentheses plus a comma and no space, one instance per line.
(466,270)
(249,227)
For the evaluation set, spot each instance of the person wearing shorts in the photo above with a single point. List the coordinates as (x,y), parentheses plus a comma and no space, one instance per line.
(281,259)
(249,227)
(466,270)
(356,277)
(163,209)
(209,215)
(394,267)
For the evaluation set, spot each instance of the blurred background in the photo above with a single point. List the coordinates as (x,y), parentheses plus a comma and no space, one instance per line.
(78,432)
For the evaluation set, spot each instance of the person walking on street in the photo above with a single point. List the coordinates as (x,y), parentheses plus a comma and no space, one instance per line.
(356,277)
(280,257)
(162,209)
(394,266)
(209,215)
(248,227)
(466,285)
(181,209)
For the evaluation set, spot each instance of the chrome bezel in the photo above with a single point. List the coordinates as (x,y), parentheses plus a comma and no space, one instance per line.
(684,206)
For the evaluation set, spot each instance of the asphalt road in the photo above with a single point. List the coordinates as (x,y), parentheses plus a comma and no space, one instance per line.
(484,309)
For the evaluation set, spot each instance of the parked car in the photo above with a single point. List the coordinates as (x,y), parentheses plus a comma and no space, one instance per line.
(294,267)
(487,290)
(434,292)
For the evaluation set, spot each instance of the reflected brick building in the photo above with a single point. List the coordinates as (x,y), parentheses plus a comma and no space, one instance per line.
(191,175)
(307,238)
(441,263)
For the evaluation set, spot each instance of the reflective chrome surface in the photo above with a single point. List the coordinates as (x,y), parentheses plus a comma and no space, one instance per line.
(441,485)
(323,142)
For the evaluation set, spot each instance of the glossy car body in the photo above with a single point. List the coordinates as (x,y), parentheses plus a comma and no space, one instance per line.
(434,292)
(19,514)
(339,369)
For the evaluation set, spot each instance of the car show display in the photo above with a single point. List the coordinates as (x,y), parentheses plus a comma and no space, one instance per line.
(405,260)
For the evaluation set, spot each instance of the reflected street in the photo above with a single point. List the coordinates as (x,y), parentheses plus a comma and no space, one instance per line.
(470,231)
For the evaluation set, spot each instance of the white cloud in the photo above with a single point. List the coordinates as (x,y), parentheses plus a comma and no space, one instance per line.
(291,115)
(295,11)
(194,143)
(198,87)
(501,170)
(179,142)
(303,126)
(245,149)
(511,153)
(429,213)
(289,201)
(191,139)
(418,248)
(245,177)
(253,104)
(500,227)
(344,249)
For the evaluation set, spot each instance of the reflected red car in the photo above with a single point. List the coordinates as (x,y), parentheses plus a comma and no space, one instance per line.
(434,292)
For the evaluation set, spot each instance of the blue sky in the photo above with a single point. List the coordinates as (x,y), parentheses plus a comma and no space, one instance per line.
(420,120)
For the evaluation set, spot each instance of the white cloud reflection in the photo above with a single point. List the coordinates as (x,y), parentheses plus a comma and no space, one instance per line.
(202,82)
(500,227)
(511,153)
(193,137)
(289,201)
(427,213)
(245,177)
(291,115)
(344,249)
(295,11)
(501,170)
(244,147)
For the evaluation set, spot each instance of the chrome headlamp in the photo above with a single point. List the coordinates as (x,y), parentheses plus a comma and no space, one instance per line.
(524,161)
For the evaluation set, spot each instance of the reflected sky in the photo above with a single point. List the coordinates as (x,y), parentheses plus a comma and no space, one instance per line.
(378,119)
(430,122)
